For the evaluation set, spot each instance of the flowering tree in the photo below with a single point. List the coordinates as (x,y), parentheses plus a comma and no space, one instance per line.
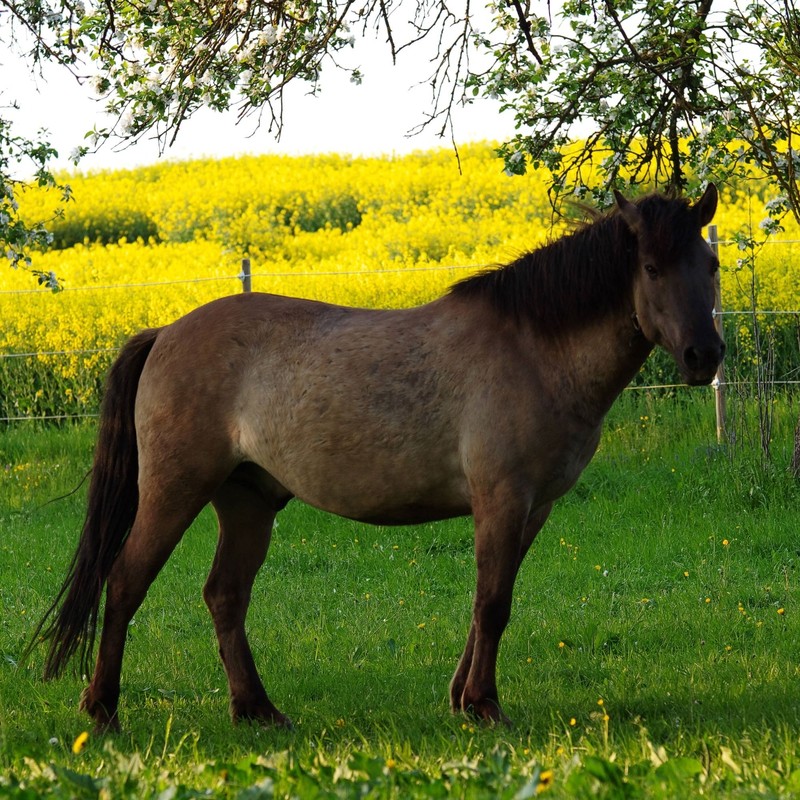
(668,94)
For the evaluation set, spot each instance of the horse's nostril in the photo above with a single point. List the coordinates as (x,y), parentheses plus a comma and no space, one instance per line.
(696,358)
(690,357)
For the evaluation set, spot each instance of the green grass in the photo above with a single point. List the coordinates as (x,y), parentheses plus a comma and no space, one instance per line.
(664,585)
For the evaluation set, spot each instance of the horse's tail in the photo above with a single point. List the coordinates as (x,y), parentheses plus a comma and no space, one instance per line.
(70,623)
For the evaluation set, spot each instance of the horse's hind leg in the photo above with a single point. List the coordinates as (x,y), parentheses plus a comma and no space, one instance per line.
(246,514)
(157,529)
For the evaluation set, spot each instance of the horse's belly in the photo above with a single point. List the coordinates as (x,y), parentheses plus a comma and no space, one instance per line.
(383,497)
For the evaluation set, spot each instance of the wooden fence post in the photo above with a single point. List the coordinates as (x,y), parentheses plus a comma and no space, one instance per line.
(719,379)
(245,275)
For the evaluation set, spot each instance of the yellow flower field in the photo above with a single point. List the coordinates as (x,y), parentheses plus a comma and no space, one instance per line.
(139,248)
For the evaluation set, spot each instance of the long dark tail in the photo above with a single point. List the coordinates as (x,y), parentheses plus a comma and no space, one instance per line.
(70,623)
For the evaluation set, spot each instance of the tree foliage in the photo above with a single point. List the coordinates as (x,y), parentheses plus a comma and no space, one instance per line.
(669,93)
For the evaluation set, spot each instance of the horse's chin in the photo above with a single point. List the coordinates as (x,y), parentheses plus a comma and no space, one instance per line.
(698,377)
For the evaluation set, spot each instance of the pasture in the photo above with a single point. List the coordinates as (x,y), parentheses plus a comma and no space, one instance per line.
(652,650)
(654,638)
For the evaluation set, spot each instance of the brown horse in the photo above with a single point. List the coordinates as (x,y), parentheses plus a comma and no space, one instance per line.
(487,401)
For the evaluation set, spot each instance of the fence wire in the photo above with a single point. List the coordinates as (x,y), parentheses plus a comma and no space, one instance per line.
(245,275)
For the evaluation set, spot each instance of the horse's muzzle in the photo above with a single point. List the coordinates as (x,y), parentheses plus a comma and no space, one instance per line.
(699,364)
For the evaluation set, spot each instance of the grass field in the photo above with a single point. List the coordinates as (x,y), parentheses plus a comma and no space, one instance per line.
(653,648)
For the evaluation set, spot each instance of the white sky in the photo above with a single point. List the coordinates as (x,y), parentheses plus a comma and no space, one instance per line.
(370,119)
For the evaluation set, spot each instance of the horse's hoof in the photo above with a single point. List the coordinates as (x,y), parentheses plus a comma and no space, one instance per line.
(101,728)
(271,718)
(488,712)
(103,721)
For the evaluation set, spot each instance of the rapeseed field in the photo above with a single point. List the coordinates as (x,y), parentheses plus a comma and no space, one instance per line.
(139,248)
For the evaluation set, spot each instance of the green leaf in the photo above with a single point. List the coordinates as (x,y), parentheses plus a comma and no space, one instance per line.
(679,769)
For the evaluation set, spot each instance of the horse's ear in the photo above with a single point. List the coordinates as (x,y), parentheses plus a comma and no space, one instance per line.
(705,208)
(630,213)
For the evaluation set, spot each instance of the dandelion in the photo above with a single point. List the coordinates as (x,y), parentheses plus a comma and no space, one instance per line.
(545,781)
(80,742)
(781,611)
(708,599)
(572,722)
(561,645)
(725,542)
(390,763)
(601,702)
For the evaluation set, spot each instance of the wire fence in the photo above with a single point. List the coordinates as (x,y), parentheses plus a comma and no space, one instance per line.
(245,276)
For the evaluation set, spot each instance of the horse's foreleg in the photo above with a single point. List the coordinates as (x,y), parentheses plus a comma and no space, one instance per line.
(150,543)
(245,524)
(500,548)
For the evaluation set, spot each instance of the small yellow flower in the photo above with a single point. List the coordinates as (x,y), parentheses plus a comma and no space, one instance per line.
(781,611)
(367,596)
(80,742)
(545,780)
(561,645)
(421,626)
(725,542)
(573,722)
(606,718)
(601,702)
(340,723)
(686,573)
(390,763)
(708,599)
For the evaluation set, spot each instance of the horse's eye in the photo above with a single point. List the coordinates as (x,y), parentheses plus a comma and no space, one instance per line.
(651,270)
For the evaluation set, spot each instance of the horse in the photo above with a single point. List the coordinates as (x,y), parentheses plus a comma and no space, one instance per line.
(488,401)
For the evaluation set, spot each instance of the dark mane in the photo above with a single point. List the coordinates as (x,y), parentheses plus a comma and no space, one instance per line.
(582,276)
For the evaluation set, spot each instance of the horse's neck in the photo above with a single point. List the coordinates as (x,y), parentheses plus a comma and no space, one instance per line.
(598,362)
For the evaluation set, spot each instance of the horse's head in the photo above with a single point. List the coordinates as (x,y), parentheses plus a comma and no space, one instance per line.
(673,286)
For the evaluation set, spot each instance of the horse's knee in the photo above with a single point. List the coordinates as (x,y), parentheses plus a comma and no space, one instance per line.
(492,614)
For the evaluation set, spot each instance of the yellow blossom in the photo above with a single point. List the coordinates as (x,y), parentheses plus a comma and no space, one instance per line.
(80,742)
(545,781)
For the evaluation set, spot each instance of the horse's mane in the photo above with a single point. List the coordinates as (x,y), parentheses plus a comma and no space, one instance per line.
(584,275)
